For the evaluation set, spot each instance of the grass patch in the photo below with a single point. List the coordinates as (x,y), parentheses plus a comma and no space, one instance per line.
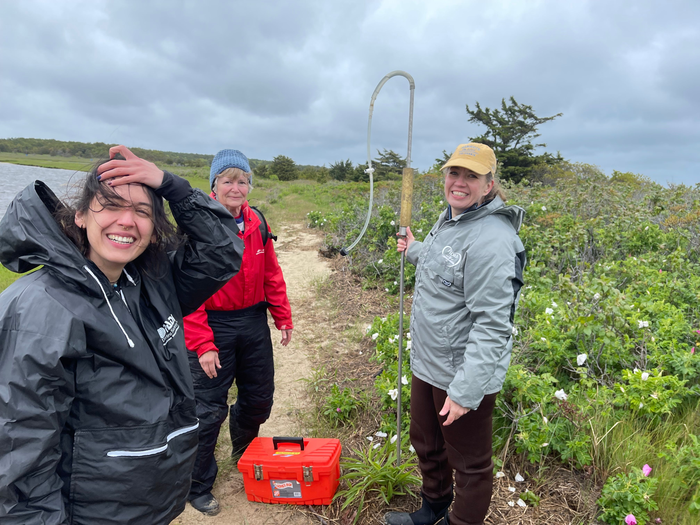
(48,161)
(7,277)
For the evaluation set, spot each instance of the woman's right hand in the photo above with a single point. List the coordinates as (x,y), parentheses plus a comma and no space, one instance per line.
(404,242)
(131,170)
(209,362)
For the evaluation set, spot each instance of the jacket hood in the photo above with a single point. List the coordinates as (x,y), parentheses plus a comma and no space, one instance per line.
(515,214)
(31,237)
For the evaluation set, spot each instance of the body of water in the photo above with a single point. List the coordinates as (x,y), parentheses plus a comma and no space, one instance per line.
(14,178)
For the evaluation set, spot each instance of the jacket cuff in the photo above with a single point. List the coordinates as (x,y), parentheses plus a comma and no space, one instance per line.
(208,347)
(286,325)
(173,188)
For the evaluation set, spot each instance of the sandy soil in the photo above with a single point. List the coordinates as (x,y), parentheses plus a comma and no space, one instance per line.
(297,251)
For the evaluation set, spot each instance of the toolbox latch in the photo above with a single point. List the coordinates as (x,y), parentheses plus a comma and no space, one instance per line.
(258,472)
(308,473)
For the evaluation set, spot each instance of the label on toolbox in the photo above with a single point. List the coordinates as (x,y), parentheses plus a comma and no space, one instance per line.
(285,488)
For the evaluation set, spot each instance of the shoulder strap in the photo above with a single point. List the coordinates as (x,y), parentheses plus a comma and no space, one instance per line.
(265,233)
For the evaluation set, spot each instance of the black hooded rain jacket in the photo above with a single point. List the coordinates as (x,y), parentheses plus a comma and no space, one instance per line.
(97,411)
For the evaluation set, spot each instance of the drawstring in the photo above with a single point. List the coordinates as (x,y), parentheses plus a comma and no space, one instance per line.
(128,339)
(129,277)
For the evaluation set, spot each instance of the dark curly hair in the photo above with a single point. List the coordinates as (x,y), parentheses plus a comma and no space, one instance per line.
(152,260)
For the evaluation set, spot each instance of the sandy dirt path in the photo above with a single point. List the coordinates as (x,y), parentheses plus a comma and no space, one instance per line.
(297,251)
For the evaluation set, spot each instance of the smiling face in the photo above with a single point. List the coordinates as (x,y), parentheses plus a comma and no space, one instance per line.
(464,188)
(118,231)
(232,191)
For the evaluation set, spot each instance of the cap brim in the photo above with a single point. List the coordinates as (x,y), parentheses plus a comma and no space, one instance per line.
(469,164)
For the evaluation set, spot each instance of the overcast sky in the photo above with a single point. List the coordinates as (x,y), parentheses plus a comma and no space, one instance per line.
(295,78)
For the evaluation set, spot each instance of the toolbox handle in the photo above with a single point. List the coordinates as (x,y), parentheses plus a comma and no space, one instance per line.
(282,439)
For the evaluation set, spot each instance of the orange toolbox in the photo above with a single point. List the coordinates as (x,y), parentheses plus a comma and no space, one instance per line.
(291,470)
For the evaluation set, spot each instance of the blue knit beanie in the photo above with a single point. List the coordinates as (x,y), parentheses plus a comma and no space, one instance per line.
(229,158)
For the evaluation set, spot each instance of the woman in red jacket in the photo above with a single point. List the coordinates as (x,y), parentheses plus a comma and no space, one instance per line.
(229,337)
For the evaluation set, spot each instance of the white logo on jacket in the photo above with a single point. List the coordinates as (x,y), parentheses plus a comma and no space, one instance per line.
(168,330)
(260,251)
(452,258)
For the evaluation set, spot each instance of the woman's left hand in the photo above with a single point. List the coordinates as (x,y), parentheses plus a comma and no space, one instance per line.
(286,336)
(452,410)
(129,171)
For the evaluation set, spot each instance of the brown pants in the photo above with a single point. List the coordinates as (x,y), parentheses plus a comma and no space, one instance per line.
(464,447)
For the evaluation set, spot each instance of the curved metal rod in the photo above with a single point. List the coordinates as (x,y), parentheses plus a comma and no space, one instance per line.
(370,169)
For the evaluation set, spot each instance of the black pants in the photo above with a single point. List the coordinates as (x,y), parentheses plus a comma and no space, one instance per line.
(245,353)
(464,447)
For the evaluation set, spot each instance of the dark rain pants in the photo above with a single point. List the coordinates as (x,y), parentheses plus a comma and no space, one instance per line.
(245,353)
(464,447)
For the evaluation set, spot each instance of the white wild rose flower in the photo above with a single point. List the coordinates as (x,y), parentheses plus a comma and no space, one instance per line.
(521,503)
(645,376)
(500,474)
(519,478)
(581,359)
(596,296)
(393,394)
(393,439)
(380,434)
(404,380)
(549,311)
(374,336)
(561,395)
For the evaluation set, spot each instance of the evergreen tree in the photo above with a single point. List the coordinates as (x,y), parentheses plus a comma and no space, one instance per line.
(510,132)
(284,168)
(341,170)
(388,165)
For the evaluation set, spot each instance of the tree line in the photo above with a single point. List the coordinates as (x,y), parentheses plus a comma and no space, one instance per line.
(510,131)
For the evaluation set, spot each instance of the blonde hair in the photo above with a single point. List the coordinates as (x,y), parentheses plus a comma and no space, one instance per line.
(234,174)
(496,191)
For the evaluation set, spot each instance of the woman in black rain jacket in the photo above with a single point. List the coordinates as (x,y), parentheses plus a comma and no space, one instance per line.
(97,411)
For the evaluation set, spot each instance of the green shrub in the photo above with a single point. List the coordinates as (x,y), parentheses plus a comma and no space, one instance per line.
(628,493)
(373,474)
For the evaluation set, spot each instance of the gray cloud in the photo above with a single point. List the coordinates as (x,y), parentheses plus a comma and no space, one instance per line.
(296,78)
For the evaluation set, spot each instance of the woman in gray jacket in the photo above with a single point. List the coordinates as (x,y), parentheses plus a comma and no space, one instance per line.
(469,271)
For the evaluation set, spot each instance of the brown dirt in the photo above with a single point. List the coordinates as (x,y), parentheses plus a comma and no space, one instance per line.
(330,311)
(297,251)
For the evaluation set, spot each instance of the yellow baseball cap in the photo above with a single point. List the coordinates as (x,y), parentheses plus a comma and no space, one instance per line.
(474,156)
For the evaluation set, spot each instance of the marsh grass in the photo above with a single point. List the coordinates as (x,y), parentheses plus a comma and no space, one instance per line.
(48,161)
(634,442)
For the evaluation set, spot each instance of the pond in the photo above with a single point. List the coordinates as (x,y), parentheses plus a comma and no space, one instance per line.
(14,178)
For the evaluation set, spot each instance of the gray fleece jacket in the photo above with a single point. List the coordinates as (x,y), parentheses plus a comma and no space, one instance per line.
(469,271)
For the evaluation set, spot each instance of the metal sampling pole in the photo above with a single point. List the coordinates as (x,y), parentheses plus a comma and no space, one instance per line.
(404,222)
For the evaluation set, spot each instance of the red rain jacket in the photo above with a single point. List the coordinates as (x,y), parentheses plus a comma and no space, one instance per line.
(259,279)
